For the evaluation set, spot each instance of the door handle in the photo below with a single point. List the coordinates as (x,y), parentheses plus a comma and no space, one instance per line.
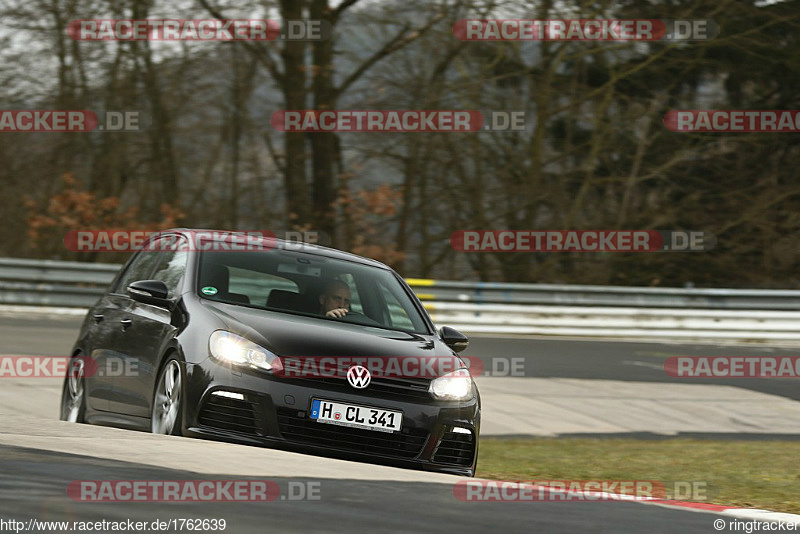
(126,323)
(98,318)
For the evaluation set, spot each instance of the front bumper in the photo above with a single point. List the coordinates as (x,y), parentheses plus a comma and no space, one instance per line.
(436,436)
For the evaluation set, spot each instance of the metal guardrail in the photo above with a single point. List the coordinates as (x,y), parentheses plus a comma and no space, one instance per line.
(580,295)
(486,307)
(53,283)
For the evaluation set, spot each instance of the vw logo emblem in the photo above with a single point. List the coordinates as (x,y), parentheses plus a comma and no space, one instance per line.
(358,376)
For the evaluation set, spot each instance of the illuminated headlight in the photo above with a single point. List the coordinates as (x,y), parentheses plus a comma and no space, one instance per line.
(234,349)
(455,386)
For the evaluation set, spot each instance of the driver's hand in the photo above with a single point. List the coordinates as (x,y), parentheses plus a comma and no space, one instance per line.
(337,313)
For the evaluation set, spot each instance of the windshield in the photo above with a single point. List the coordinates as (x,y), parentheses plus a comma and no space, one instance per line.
(306,284)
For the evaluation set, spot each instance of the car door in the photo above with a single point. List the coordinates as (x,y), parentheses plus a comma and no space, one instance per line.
(97,344)
(147,329)
(104,341)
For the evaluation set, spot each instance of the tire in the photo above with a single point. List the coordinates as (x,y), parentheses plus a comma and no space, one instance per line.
(166,416)
(73,393)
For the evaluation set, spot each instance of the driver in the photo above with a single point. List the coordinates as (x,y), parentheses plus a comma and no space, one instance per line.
(335,299)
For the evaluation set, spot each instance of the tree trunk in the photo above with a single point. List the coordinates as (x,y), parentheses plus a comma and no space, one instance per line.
(294,91)
(323,144)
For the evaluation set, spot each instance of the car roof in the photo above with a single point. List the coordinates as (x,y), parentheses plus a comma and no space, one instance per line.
(283,244)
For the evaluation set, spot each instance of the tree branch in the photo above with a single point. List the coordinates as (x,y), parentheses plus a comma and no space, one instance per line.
(258,52)
(397,42)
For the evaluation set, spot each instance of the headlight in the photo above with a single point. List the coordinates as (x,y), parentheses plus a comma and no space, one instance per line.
(234,349)
(455,386)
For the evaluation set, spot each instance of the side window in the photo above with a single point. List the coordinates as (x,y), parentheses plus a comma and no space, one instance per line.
(257,286)
(139,269)
(397,314)
(171,267)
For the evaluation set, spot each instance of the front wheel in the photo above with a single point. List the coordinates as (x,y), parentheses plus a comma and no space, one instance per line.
(167,400)
(73,393)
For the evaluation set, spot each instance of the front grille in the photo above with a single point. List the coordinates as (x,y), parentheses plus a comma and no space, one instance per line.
(404,387)
(296,426)
(229,414)
(395,388)
(455,449)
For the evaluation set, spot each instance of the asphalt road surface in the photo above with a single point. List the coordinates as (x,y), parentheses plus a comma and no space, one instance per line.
(39,457)
(33,482)
(627,361)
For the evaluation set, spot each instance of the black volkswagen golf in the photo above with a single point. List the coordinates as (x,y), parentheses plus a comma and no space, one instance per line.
(284,345)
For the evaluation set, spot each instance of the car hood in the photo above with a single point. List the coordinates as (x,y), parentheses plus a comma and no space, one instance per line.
(294,335)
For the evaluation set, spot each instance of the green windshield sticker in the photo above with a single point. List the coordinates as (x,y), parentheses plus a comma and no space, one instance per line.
(209,290)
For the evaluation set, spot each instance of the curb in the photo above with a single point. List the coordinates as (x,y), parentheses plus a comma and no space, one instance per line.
(731,511)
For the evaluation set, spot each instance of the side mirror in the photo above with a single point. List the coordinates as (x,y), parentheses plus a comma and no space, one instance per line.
(453,338)
(150,292)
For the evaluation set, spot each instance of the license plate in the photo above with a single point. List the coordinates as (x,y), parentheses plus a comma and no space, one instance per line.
(338,413)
